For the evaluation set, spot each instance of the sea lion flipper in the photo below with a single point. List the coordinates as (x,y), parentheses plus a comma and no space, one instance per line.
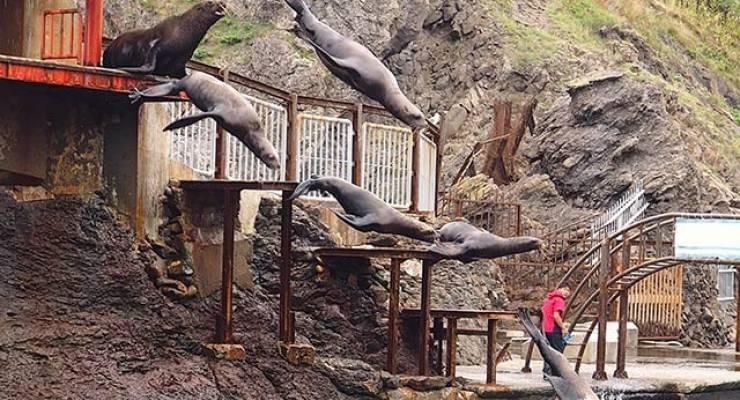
(150,65)
(189,120)
(362,224)
(164,89)
(340,63)
(447,250)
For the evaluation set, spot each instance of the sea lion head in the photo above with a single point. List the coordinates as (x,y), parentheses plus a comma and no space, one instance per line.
(216,8)
(428,234)
(413,116)
(265,151)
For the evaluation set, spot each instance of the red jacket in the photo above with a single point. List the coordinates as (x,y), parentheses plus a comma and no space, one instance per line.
(555,302)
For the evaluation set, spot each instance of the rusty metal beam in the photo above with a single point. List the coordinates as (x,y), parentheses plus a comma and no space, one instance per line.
(426,299)
(224,326)
(285,267)
(451,348)
(600,373)
(393,307)
(491,353)
(621,371)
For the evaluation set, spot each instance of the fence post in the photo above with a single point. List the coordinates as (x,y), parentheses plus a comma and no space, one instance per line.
(220,167)
(441,142)
(93,33)
(358,121)
(291,168)
(415,171)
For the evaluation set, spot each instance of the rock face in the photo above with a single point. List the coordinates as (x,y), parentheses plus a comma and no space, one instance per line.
(704,325)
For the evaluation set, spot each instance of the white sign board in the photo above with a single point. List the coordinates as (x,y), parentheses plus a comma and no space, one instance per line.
(707,239)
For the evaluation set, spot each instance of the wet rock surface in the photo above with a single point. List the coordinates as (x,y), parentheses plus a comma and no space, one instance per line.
(80,319)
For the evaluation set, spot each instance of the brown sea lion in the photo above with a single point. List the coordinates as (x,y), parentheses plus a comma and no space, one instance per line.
(356,66)
(566,382)
(464,242)
(365,211)
(223,103)
(167,47)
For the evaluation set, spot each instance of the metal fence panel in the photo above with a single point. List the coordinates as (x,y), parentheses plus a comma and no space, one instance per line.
(241,163)
(387,167)
(194,145)
(324,148)
(726,282)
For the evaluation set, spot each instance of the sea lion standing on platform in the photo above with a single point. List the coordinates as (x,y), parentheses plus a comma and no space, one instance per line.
(365,211)
(567,383)
(223,103)
(356,66)
(464,242)
(167,47)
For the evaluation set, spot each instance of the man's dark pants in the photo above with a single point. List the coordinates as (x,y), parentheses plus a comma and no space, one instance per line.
(556,341)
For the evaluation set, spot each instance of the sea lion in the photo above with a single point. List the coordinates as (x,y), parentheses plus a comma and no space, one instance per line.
(220,101)
(464,242)
(566,382)
(365,211)
(356,66)
(167,47)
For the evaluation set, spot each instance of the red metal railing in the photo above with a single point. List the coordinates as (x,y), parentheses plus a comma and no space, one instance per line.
(61,37)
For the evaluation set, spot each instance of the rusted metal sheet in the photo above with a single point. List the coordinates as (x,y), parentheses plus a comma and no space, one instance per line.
(65,75)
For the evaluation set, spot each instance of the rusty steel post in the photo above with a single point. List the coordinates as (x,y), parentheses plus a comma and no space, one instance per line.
(224,327)
(393,306)
(416,173)
(358,148)
(294,133)
(600,373)
(93,33)
(451,348)
(285,267)
(621,371)
(491,353)
(425,318)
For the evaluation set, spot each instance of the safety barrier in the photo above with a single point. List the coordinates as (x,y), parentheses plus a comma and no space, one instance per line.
(324,148)
(387,163)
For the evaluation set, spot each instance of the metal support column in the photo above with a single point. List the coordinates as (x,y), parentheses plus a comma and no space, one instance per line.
(358,144)
(425,318)
(393,306)
(600,373)
(621,371)
(491,353)
(224,326)
(451,348)
(285,267)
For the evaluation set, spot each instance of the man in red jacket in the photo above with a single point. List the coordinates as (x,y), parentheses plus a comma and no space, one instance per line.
(553,324)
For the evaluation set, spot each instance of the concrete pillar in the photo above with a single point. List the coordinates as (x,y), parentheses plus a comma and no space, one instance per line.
(152,166)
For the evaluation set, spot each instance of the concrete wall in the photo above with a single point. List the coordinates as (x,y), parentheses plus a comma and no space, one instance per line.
(62,144)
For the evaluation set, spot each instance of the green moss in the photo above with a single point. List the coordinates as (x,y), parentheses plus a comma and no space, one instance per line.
(529,45)
(736,115)
(581,19)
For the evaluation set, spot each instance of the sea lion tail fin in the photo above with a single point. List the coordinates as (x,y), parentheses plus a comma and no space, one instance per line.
(189,120)
(305,187)
(299,6)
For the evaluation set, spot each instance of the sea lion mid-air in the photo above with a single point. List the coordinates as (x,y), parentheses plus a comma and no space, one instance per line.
(365,211)
(464,242)
(356,66)
(223,103)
